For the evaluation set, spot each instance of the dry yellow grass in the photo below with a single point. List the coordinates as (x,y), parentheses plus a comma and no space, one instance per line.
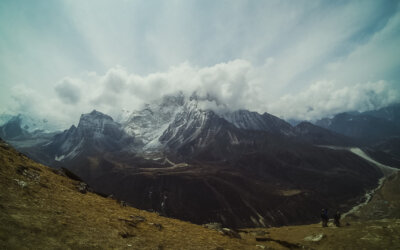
(373,234)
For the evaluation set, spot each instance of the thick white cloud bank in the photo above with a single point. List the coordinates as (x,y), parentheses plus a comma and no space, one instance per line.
(235,85)
(324,98)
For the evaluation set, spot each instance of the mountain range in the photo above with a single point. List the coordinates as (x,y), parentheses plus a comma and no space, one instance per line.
(239,168)
(378,131)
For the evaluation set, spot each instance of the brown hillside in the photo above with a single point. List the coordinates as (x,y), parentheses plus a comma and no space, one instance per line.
(40,209)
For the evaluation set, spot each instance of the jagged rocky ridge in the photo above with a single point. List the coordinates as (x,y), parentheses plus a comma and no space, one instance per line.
(378,131)
(12,129)
(23,132)
(95,132)
(239,168)
(369,126)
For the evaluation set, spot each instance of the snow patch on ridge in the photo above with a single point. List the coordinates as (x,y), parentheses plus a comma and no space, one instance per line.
(385,169)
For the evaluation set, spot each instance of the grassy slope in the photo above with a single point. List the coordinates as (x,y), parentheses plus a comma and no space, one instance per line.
(49,213)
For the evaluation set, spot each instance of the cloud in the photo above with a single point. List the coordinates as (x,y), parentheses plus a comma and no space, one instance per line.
(232,85)
(68,90)
(300,60)
(28,101)
(326,98)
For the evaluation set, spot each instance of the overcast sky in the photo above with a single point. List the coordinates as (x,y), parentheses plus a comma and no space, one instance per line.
(294,59)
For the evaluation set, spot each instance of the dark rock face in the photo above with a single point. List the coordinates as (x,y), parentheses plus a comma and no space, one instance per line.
(96,132)
(12,129)
(245,119)
(390,146)
(377,131)
(371,126)
(313,134)
(390,113)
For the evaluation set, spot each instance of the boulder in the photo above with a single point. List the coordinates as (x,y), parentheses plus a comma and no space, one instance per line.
(213,225)
(315,237)
(231,233)
(29,172)
(82,187)
(21,183)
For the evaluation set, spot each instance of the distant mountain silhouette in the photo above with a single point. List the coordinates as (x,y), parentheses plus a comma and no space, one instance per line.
(370,126)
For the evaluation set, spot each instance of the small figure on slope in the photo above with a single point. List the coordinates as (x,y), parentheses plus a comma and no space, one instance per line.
(324,217)
(336,218)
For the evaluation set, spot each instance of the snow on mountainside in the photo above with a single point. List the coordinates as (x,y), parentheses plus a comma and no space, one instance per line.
(122,116)
(97,124)
(29,123)
(95,132)
(175,120)
(188,125)
(17,134)
(173,123)
(148,124)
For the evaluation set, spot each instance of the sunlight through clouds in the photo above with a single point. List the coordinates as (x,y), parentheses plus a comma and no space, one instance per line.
(296,60)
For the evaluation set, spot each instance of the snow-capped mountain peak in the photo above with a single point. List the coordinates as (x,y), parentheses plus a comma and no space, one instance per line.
(95,122)
(174,117)
(149,123)
(95,132)
(28,123)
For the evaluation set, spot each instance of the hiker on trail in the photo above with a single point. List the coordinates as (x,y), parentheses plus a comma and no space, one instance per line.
(324,217)
(336,218)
